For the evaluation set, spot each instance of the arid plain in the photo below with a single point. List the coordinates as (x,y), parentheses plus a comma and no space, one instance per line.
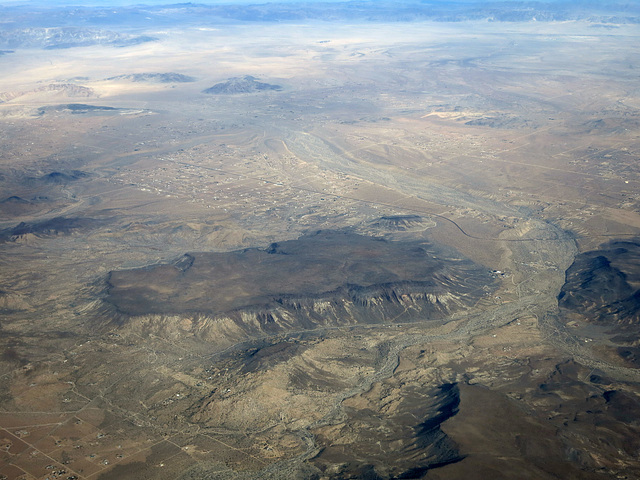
(435,180)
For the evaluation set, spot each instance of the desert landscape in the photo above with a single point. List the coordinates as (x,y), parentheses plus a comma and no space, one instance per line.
(276,242)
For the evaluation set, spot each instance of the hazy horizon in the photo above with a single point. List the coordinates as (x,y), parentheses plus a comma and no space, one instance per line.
(107,3)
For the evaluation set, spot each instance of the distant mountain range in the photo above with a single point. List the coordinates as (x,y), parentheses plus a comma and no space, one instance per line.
(50,27)
(66,37)
(65,89)
(16,17)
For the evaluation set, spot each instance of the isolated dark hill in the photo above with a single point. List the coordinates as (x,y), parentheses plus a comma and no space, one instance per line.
(236,85)
(328,278)
(15,206)
(602,285)
(61,178)
(14,199)
(51,227)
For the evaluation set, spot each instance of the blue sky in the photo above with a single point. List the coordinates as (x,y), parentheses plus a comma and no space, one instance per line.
(120,3)
(209,2)
(105,3)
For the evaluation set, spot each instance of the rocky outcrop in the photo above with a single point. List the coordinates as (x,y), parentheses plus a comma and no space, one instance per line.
(602,285)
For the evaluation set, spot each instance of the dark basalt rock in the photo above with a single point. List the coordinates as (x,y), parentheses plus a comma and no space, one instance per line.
(602,285)
(16,206)
(61,178)
(15,199)
(320,278)
(51,227)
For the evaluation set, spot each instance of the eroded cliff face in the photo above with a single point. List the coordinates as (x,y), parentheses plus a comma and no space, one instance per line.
(324,280)
(399,435)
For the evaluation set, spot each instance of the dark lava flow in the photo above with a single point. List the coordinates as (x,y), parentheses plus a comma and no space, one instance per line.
(325,266)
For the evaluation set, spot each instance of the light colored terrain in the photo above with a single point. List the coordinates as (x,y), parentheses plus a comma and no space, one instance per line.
(517,144)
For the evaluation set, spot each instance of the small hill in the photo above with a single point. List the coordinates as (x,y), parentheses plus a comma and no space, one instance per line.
(237,85)
(14,199)
(15,206)
(61,178)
